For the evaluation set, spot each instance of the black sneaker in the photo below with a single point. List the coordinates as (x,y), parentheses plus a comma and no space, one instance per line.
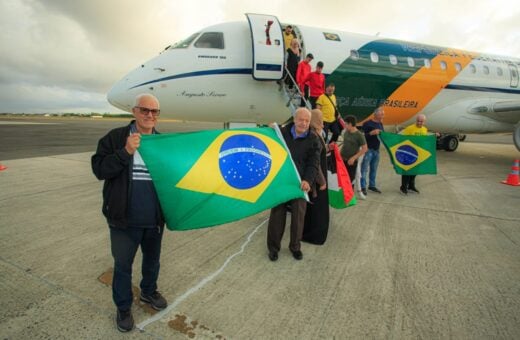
(403,191)
(273,256)
(297,254)
(156,300)
(374,189)
(414,190)
(124,320)
(364,191)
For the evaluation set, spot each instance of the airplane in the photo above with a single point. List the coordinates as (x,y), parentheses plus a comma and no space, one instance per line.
(231,73)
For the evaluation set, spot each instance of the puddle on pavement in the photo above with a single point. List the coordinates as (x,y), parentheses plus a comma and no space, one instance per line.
(106,279)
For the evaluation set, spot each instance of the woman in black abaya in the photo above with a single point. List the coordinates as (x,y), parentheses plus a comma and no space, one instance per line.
(317,215)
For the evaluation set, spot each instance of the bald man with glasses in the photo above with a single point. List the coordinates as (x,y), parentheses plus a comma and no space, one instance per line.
(132,210)
(416,129)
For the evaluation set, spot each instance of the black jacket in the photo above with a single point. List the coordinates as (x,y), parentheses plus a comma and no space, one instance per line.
(305,153)
(113,164)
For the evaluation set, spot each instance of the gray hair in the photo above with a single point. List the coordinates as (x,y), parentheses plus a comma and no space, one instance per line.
(143,95)
(302,110)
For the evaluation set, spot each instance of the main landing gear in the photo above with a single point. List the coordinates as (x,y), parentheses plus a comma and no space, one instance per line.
(449,142)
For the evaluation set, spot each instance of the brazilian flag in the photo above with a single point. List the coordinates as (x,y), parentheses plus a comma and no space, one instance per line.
(411,155)
(207,178)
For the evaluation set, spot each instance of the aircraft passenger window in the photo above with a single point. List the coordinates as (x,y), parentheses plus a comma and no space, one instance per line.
(354,54)
(473,68)
(210,40)
(458,67)
(411,62)
(486,69)
(393,59)
(374,57)
(186,42)
(444,66)
(499,71)
(427,63)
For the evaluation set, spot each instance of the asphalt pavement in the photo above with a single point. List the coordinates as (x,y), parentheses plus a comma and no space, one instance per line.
(438,265)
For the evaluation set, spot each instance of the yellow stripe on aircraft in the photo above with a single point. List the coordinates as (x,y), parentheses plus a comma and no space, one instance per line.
(416,92)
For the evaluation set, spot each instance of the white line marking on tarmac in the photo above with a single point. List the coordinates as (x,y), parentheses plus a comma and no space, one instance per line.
(199,285)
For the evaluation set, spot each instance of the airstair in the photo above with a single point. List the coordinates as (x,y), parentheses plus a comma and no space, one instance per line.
(269,58)
(293,96)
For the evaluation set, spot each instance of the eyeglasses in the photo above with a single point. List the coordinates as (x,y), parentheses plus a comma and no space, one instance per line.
(144,111)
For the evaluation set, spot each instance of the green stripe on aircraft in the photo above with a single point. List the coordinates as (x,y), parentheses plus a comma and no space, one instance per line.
(359,92)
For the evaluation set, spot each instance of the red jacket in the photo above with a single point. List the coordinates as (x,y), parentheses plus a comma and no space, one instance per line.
(304,69)
(316,82)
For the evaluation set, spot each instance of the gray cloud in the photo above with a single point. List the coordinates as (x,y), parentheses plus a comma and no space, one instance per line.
(62,55)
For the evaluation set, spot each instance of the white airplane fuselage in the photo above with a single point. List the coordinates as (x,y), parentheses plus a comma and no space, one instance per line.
(458,91)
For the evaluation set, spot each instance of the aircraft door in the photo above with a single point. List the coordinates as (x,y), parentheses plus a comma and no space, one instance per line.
(513,70)
(268,48)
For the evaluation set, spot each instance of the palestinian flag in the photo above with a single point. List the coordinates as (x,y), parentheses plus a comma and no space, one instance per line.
(341,194)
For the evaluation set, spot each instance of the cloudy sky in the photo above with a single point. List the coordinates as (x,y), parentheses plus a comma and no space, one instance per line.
(64,55)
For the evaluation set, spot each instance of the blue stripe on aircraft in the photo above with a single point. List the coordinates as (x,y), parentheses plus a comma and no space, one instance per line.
(401,49)
(198,74)
(249,71)
(268,67)
(481,89)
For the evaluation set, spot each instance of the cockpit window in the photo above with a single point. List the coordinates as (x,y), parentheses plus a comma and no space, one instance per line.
(186,42)
(210,40)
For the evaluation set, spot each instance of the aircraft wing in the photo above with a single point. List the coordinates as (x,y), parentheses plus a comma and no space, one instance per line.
(507,111)
(507,106)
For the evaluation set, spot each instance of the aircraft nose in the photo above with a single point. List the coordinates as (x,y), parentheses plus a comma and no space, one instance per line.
(118,96)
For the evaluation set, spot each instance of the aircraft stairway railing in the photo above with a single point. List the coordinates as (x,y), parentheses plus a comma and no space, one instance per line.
(294,95)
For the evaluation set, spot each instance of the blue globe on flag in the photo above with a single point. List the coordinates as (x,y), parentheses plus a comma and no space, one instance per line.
(244,161)
(406,154)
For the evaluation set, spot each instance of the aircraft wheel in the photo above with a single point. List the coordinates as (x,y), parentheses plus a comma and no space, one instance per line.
(451,143)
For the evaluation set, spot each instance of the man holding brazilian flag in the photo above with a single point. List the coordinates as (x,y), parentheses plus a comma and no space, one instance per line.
(213,177)
(413,152)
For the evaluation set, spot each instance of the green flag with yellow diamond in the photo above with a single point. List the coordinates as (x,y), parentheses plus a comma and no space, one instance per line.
(207,178)
(411,155)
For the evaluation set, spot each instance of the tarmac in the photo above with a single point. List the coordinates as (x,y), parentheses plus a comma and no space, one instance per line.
(443,264)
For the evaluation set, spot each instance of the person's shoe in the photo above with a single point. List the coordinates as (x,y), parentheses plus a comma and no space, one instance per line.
(124,320)
(156,300)
(414,189)
(403,191)
(297,254)
(374,189)
(273,256)
(364,191)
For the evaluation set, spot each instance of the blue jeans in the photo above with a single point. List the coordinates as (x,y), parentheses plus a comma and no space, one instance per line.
(124,244)
(370,160)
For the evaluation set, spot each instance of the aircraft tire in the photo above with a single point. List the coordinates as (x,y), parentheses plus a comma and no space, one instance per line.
(451,143)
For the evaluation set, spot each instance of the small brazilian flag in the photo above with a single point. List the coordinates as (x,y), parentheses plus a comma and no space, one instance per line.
(331,36)
(207,178)
(411,155)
